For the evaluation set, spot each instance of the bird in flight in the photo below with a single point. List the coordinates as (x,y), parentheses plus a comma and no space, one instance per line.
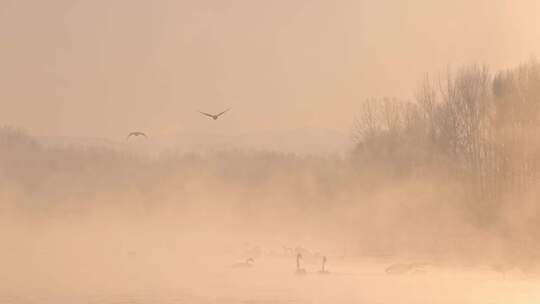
(216,116)
(136,134)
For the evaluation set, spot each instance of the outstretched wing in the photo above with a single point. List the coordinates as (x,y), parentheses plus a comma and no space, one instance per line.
(223,112)
(209,115)
(136,134)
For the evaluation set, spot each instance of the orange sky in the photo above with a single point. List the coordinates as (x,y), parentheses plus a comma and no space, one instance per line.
(102,68)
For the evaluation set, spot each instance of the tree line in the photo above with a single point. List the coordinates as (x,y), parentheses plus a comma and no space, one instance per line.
(471,126)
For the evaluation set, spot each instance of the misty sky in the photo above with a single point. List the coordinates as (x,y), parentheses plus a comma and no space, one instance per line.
(103,68)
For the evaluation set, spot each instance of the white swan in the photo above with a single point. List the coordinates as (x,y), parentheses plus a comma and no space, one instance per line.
(404,268)
(323,269)
(298,269)
(247,264)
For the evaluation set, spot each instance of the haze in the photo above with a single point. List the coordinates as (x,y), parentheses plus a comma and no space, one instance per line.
(102,68)
(374,152)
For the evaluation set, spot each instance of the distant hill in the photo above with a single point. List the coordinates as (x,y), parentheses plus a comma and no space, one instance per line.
(67,141)
(297,141)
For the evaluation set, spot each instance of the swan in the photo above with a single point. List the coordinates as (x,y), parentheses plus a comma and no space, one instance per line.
(404,268)
(323,269)
(298,269)
(247,264)
(288,251)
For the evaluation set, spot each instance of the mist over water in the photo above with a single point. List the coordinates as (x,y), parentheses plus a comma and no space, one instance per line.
(81,224)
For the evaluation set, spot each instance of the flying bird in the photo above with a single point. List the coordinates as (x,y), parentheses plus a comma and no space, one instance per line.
(136,134)
(216,116)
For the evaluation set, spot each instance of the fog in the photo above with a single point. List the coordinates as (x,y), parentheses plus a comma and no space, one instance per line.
(106,225)
(374,152)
